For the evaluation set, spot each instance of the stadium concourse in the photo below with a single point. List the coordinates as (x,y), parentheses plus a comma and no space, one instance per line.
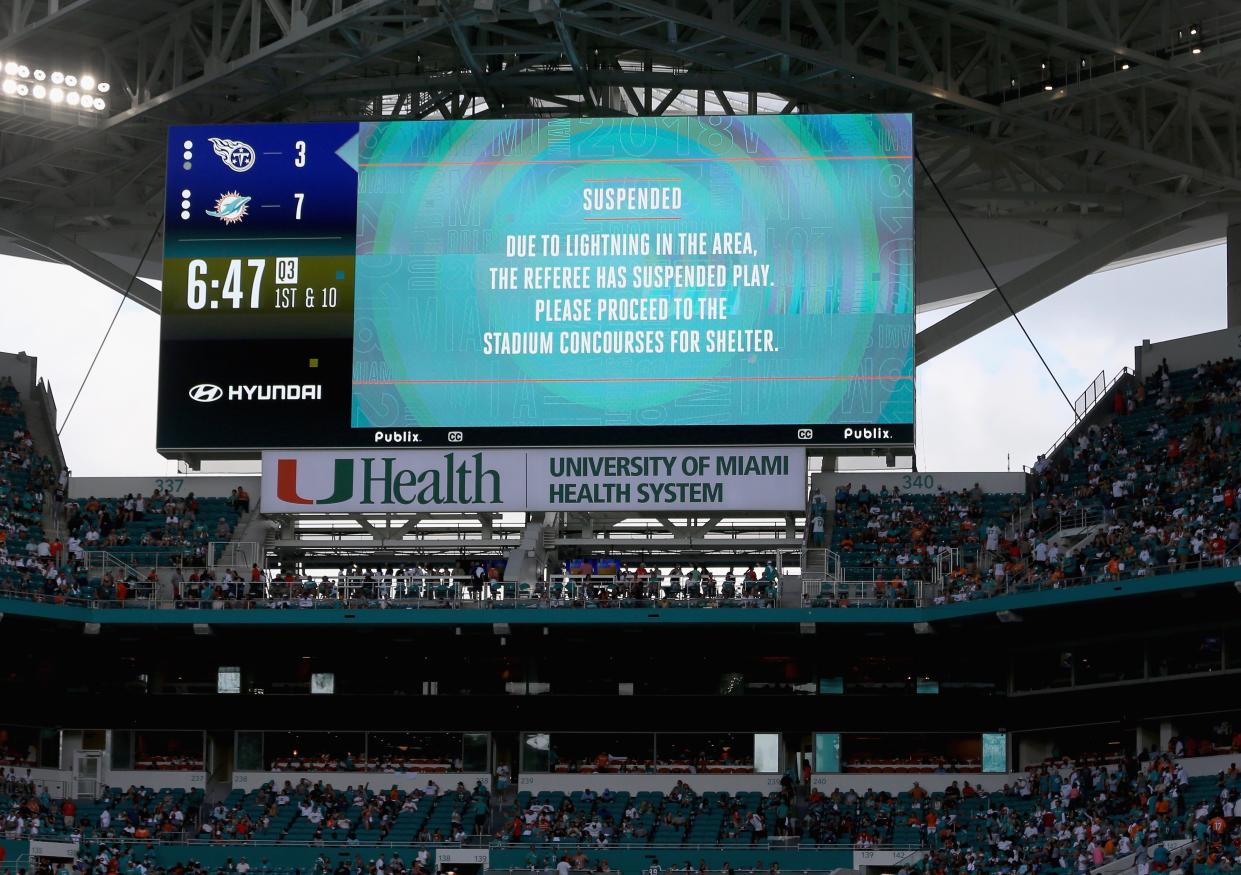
(1150,488)
(1134,513)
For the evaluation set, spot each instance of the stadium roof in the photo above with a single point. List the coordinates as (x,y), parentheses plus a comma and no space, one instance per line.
(1066,134)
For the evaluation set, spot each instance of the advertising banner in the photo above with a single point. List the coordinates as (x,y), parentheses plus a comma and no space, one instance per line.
(662,479)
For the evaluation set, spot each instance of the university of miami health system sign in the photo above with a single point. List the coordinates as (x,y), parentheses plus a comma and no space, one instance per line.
(663,479)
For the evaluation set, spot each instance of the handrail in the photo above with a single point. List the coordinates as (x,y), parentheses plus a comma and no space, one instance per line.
(940,595)
(1079,417)
(184,839)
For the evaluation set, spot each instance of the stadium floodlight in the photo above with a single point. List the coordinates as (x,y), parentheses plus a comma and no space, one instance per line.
(104,87)
(39,75)
(22,89)
(10,69)
(58,78)
(56,95)
(23,71)
(72,98)
(87,82)
(71,81)
(38,92)
(100,104)
(9,86)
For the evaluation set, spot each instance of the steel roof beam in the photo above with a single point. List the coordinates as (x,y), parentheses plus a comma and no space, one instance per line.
(1047,278)
(43,240)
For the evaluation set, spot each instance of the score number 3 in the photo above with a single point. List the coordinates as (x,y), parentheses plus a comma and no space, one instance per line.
(299,161)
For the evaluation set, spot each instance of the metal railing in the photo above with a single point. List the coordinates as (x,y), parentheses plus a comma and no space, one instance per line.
(1099,388)
(875,593)
(127,560)
(238,555)
(944,563)
(1079,518)
(813,557)
(860,588)
(435,591)
(672,849)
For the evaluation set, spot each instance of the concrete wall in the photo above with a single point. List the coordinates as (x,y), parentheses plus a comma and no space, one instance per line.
(22,369)
(700,783)
(375,780)
(56,781)
(921,483)
(155,779)
(932,782)
(1187,352)
(202,486)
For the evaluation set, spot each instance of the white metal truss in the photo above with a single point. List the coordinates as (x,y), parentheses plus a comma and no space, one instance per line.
(1079,127)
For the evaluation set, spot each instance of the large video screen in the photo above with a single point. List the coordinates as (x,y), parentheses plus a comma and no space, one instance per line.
(540,282)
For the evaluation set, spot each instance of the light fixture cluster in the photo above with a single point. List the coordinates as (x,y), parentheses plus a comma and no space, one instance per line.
(1192,37)
(63,89)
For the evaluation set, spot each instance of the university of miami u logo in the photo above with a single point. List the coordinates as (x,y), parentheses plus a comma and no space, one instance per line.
(286,483)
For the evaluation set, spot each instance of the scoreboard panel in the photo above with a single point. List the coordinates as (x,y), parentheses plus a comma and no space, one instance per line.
(541,282)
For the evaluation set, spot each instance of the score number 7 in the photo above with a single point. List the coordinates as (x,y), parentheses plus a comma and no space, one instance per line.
(300,197)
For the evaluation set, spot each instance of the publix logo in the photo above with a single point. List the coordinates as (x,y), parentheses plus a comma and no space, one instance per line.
(451,479)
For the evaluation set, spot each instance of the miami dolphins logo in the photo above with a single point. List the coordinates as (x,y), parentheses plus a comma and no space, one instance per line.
(231,208)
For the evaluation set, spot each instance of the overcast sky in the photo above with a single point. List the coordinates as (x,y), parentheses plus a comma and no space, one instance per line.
(976,403)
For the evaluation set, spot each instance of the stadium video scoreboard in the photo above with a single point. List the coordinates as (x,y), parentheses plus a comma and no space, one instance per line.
(540,282)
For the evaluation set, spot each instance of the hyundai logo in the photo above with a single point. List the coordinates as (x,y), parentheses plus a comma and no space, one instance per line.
(206,393)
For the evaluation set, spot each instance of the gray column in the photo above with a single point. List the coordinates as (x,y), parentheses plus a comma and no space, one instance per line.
(1234,273)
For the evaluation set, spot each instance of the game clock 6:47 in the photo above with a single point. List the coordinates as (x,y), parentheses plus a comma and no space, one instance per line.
(241,285)
(261,284)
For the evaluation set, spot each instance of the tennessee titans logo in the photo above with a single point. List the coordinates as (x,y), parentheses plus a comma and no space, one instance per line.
(236,155)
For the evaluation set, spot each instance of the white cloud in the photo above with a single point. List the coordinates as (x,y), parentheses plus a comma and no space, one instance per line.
(991,396)
(976,402)
(57,314)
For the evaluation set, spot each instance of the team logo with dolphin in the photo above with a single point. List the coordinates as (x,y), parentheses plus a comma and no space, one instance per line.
(231,208)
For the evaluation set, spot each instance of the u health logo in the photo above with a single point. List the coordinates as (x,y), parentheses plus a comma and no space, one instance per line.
(452,479)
